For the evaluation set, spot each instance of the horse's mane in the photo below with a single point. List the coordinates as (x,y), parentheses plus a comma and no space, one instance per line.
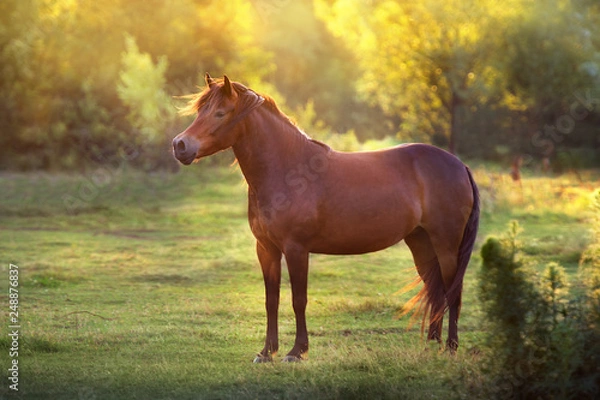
(272,106)
(206,96)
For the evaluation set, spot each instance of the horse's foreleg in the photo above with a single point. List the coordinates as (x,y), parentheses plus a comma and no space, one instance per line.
(270,262)
(297,261)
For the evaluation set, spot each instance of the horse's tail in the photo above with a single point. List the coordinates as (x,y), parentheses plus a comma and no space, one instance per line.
(453,294)
(433,298)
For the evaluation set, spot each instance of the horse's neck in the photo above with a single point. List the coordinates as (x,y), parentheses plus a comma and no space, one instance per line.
(269,147)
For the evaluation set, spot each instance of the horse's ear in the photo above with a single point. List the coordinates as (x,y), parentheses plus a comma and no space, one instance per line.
(210,82)
(227,86)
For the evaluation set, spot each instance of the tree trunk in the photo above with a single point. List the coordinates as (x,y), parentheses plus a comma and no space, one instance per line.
(455,107)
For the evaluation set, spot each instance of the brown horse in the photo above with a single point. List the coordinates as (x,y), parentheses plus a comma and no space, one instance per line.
(304,197)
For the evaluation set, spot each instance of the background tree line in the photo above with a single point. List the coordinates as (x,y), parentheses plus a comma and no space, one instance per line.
(86,81)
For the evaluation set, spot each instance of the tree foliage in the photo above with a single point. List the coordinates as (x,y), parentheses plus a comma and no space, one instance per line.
(437,65)
(472,76)
(424,61)
(141,89)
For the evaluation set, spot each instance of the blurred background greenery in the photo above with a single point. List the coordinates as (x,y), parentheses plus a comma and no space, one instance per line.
(86,82)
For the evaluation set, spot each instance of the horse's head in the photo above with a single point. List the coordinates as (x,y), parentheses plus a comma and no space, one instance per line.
(219,107)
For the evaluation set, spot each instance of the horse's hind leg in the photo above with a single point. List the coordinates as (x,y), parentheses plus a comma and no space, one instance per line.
(428,268)
(452,342)
(446,247)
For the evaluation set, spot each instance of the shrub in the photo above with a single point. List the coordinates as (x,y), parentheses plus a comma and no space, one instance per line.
(141,88)
(589,267)
(543,343)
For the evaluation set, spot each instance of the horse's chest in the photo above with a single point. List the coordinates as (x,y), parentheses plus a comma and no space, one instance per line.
(280,218)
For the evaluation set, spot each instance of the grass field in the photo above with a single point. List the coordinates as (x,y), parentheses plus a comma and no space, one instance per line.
(146,286)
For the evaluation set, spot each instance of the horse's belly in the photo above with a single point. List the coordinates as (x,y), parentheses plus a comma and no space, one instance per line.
(349,247)
(361,235)
(366,218)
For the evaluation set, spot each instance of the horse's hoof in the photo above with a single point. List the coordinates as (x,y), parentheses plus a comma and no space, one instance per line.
(260,359)
(291,359)
(452,346)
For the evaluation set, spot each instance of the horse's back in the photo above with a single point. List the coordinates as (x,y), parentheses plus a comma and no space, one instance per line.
(428,158)
(415,165)
(435,169)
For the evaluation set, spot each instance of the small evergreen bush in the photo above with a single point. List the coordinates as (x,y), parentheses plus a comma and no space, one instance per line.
(544,343)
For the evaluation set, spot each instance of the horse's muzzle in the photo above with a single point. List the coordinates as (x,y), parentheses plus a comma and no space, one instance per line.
(183,152)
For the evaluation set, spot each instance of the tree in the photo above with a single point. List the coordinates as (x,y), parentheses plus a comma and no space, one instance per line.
(141,88)
(427,62)
(313,69)
(60,59)
(436,64)
(18,32)
(549,55)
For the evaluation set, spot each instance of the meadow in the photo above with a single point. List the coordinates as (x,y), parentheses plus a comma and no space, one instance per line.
(146,286)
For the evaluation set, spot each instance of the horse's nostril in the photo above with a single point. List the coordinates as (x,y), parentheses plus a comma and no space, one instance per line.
(179,146)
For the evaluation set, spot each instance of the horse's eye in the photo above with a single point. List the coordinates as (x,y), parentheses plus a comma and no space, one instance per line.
(220,114)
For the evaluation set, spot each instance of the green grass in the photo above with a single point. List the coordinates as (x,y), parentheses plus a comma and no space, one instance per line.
(146,286)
